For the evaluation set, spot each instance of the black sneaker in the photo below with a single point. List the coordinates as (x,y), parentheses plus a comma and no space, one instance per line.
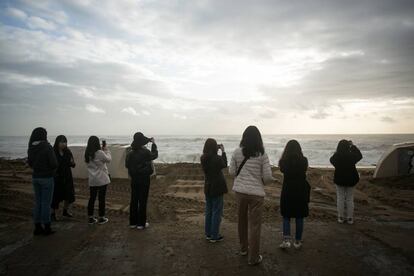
(219,239)
(53,217)
(92,220)
(103,220)
(48,230)
(38,230)
(67,214)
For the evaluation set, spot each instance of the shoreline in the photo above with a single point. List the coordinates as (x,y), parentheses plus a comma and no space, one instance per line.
(323,167)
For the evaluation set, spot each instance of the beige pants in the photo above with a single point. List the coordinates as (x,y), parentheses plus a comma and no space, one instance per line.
(250,222)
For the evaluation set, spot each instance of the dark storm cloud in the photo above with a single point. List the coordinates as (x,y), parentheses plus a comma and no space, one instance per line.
(358,49)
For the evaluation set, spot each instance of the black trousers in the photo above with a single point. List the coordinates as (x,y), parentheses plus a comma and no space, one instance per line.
(101,192)
(139,198)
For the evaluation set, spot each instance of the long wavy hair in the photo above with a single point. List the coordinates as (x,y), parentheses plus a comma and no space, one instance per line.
(60,139)
(92,147)
(252,143)
(292,150)
(210,149)
(38,134)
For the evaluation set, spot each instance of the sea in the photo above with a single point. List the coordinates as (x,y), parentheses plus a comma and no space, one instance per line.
(177,148)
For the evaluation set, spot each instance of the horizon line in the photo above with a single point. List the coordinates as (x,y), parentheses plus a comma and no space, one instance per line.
(263,134)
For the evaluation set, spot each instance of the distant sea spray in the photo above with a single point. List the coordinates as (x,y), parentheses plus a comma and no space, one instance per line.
(177,148)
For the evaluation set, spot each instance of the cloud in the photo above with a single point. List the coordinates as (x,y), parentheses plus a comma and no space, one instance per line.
(93,109)
(319,115)
(179,116)
(16,13)
(130,110)
(35,22)
(387,119)
(206,61)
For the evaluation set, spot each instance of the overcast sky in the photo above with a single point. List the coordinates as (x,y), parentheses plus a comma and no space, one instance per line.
(206,67)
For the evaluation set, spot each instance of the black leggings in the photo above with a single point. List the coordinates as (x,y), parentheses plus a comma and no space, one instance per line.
(101,192)
(139,198)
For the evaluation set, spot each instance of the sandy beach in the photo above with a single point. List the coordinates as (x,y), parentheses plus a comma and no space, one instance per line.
(380,242)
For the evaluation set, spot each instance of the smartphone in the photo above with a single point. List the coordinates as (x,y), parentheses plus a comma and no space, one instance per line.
(103,143)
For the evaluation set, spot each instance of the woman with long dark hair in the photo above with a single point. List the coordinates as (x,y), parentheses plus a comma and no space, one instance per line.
(42,160)
(140,168)
(63,190)
(214,187)
(345,177)
(295,193)
(251,168)
(98,175)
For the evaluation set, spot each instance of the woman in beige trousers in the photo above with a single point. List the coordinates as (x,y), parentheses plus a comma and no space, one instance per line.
(251,168)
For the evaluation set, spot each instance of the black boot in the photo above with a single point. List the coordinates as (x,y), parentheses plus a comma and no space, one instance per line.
(38,230)
(53,217)
(67,214)
(48,230)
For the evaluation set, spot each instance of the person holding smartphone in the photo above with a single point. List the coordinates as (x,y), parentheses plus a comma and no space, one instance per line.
(139,162)
(98,177)
(215,187)
(345,177)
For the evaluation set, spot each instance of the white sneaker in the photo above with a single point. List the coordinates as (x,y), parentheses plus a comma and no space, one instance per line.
(243,253)
(350,221)
(285,244)
(259,261)
(297,244)
(340,220)
(142,227)
(132,226)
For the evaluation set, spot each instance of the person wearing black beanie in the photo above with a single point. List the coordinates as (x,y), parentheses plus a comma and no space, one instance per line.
(140,168)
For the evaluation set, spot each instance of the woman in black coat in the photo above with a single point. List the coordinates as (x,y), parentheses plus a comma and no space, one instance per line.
(140,168)
(295,193)
(63,190)
(214,187)
(345,177)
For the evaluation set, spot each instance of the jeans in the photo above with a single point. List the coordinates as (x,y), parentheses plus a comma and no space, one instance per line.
(139,199)
(43,190)
(101,192)
(345,200)
(214,212)
(299,228)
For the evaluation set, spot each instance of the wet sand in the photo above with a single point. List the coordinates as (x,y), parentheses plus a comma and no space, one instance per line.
(380,243)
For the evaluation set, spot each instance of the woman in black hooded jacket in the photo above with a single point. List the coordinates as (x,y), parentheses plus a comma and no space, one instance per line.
(42,160)
(345,177)
(140,168)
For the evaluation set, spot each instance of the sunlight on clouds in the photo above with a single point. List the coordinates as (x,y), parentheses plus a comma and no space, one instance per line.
(213,64)
(130,110)
(93,109)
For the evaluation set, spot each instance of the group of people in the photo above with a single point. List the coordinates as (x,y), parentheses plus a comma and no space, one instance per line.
(249,164)
(251,170)
(53,182)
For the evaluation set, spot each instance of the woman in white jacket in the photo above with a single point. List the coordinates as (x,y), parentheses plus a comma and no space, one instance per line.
(251,168)
(98,175)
